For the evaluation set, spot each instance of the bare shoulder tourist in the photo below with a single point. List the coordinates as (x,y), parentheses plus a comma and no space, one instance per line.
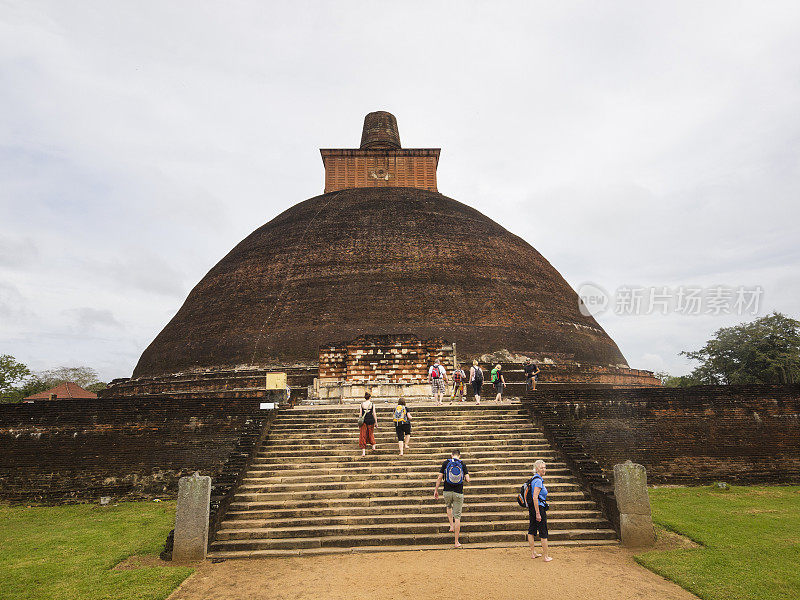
(367,420)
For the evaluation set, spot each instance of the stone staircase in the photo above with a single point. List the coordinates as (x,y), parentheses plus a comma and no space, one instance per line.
(309,491)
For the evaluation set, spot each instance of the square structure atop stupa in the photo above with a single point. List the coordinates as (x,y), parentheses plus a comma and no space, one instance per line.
(380,161)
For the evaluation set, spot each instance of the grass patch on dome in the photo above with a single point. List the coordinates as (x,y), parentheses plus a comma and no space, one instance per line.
(749,541)
(72,552)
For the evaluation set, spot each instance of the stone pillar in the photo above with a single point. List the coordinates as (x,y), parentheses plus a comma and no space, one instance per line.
(635,521)
(191,518)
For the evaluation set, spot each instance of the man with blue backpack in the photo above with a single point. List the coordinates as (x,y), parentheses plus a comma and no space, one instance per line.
(454,473)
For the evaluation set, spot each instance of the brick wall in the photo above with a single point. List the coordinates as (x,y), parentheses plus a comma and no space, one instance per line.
(414,168)
(741,434)
(395,359)
(605,375)
(72,450)
(211,383)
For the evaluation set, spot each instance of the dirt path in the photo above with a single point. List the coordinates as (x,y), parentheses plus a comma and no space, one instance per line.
(487,574)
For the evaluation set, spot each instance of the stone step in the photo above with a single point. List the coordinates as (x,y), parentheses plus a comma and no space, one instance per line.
(389,471)
(420,494)
(455,423)
(466,408)
(418,446)
(287,553)
(384,459)
(412,529)
(251,519)
(418,506)
(454,420)
(398,486)
(389,434)
(317,503)
(468,454)
(349,541)
(396,478)
(505,421)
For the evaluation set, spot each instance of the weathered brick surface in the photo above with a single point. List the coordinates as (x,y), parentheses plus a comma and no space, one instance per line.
(380,168)
(376,261)
(68,450)
(682,435)
(201,384)
(388,358)
(606,375)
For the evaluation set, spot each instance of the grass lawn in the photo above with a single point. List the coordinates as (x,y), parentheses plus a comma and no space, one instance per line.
(68,552)
(750,538)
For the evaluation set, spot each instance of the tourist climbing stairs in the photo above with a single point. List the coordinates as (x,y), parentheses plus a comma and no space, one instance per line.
(309,490)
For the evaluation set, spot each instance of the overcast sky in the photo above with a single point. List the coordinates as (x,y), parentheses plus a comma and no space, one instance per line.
(632,143)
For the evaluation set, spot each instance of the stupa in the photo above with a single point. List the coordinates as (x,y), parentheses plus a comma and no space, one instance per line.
(380,252)
(380,255)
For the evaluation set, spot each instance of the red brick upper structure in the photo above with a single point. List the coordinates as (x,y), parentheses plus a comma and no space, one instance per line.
(385,258)
(62,391)
(380,161)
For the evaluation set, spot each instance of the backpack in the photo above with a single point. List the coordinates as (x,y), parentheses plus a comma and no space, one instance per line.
(527,488)
(478,374)
(522,497)
(454,472)
(436,372)
(495,375)
(457,376)
(400,414)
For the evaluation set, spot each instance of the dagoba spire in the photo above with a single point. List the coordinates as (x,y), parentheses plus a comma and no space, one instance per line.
(380,131)
(380,161)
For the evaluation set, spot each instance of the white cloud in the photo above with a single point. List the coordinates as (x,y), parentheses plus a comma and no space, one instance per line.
(630,144)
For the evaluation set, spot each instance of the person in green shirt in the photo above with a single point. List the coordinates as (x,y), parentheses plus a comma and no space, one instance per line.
(498,381)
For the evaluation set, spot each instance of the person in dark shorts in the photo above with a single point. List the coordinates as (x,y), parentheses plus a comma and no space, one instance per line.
(537,510)
(476,379)
(498,381)
(531,374)
(402,425)
(454,473)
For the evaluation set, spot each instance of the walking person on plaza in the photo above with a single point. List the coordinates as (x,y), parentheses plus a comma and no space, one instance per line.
(531,374)
(537,510)
(498,381)
(367,420)
(454,473)
(458,383)
(402,425)
(476,379)
(437,375)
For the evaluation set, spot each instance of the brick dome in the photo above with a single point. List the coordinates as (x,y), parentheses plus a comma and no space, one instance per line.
(388,260)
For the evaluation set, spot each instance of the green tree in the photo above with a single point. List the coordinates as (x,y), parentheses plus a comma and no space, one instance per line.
(766,350)
(12,373)
(83,376)
(18,382)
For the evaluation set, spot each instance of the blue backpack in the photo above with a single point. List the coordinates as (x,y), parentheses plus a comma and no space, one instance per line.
(454,472)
